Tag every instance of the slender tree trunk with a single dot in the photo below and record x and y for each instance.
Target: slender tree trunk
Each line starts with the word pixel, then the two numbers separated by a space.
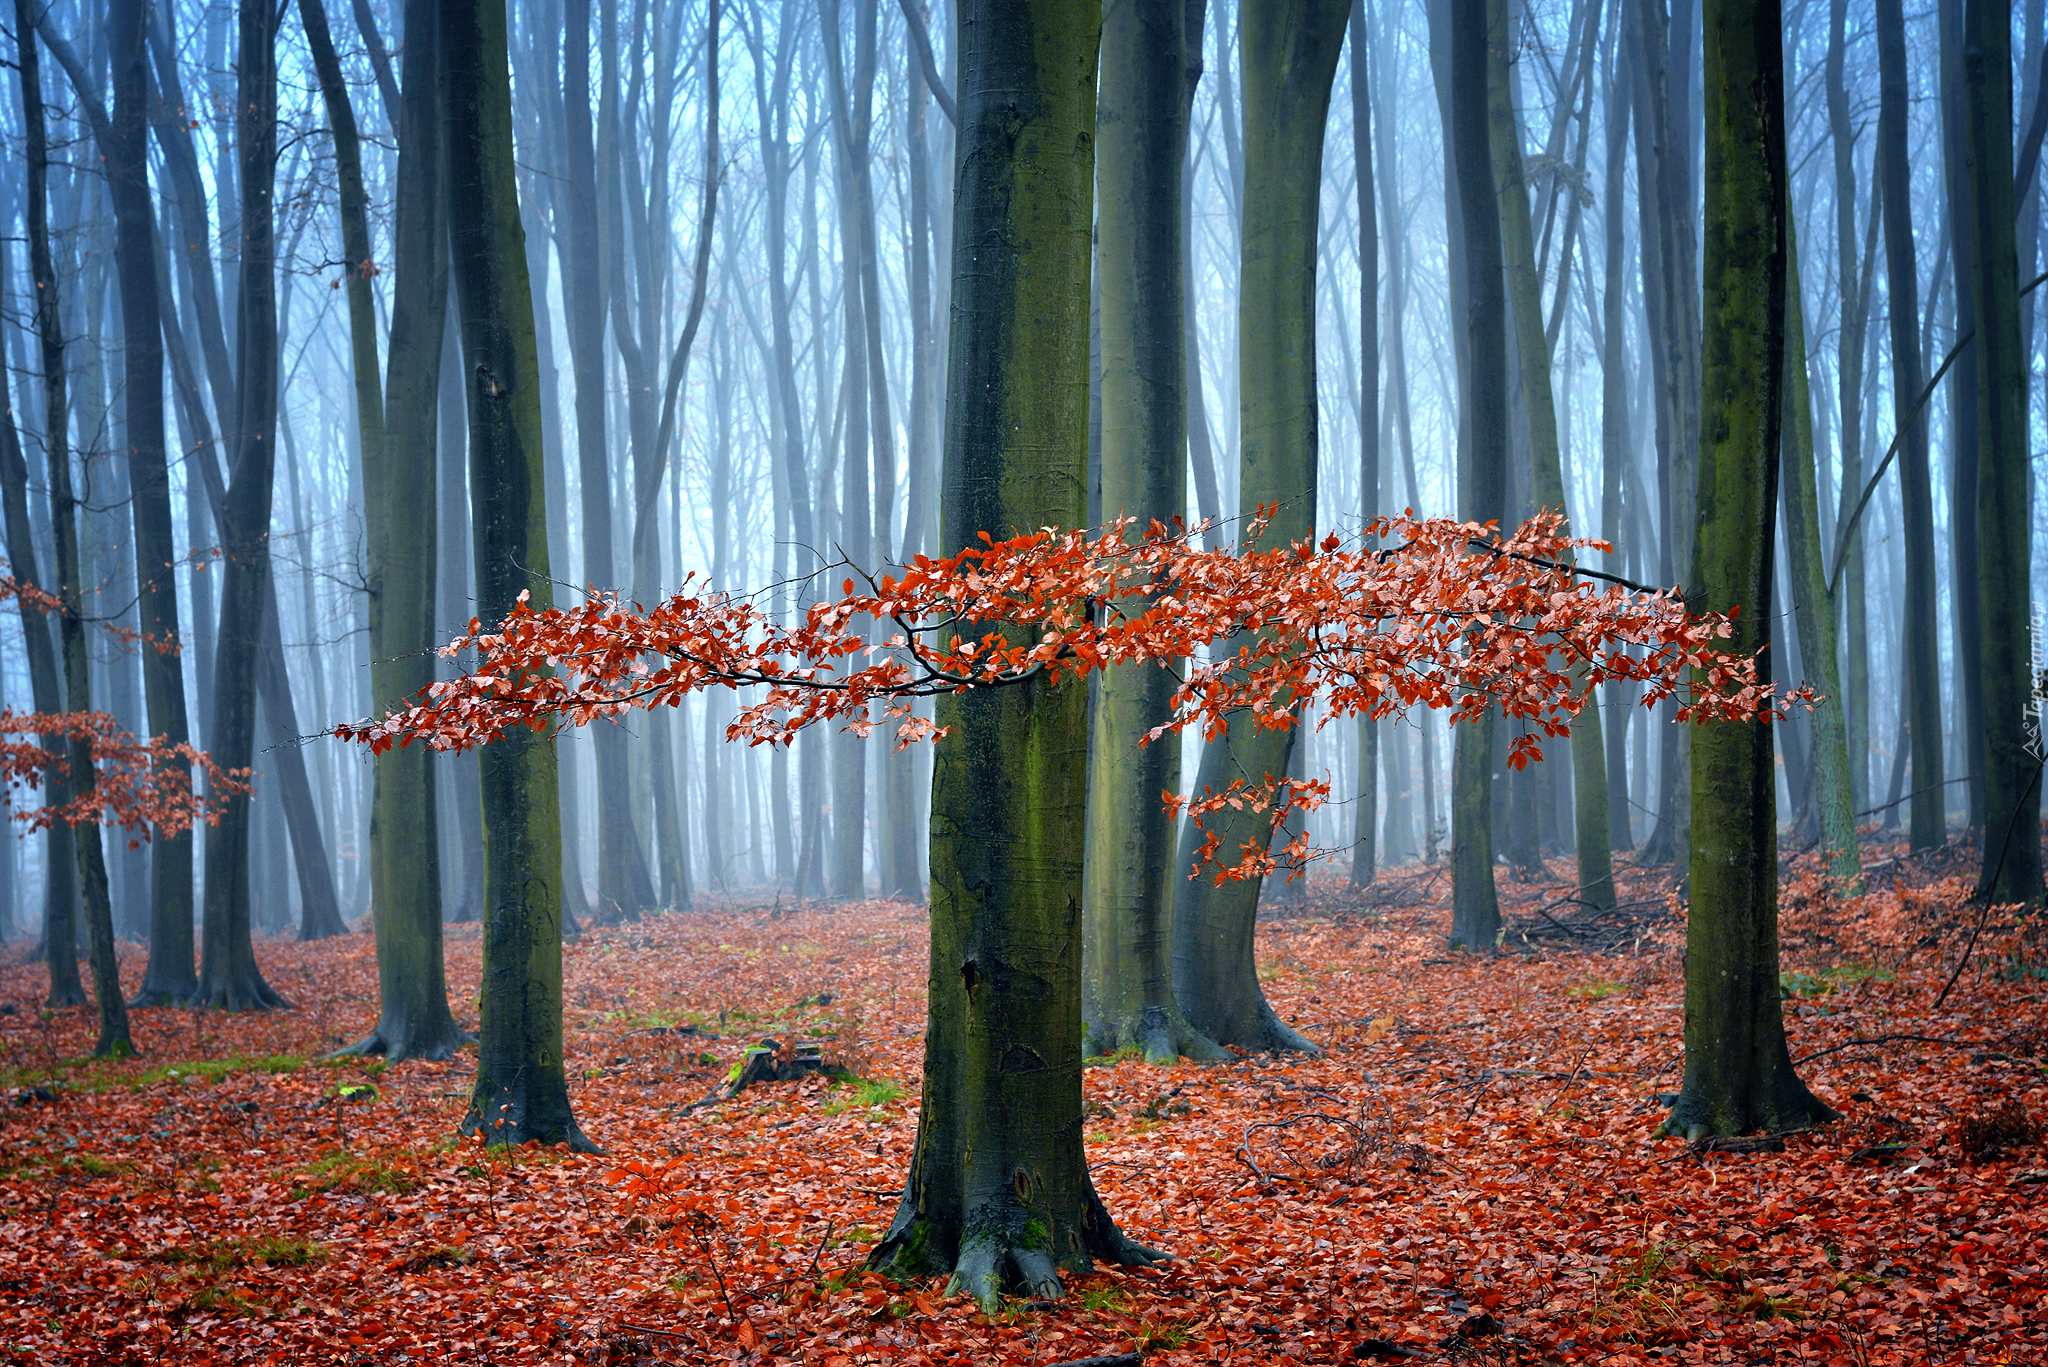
pixel 1614 425
pixel 1532 348
pixel 1834 805
pixel 405 860
pixel 624 887
pixel 522 1089
pixel 1968 721
pixel 228 977
pixel 1289 58
pixel 2012 845
pixel 1923 684
pixel 1853 285
pixel 1738 1071
pixel 1366 792
pixel 60 925
pixel 163 675
pixel 998 1192
pixel 1141 125
pixel 1483 446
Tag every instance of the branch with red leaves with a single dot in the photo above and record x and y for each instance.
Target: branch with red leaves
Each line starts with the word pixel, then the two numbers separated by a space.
pixel 137 784
pixel 1430 612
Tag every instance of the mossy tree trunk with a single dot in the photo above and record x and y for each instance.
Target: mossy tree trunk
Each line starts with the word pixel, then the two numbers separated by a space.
pixel 998 1191
pixel 1141 124
pixel 1289 56
pixel 1926 824
pixel 522 1090
pixel 1834 803
pixel 2012 749
pixel 1483 447
pixel 405 855
pixel 60 920
pixel 1738 1071
pixel 228 977
pixel 170 976
pixel 1532 352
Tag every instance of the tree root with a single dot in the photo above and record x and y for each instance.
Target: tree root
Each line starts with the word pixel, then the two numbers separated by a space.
pixel 398 1046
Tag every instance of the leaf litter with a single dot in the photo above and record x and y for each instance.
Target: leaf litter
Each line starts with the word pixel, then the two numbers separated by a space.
pixel 1466 1174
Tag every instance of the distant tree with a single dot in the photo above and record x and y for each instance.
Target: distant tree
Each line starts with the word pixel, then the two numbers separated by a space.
pixel 1288 53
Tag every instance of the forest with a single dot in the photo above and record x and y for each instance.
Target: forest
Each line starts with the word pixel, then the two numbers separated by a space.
pixel 1043 681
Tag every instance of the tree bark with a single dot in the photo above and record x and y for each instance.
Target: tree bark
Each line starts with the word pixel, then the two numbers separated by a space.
pixel 1289 56
pixel 1834 805
pixel 624 887
pixel 163 674
pixel 228 976
pixel 1614 415
pixel 1738 1071
pixel 2012 750
pixel 1483 446
pixel 522 1089
pixel 1141 123
pixel 405 858
pixel 998 1192
pixel 1366 792
pixel 1532 350
pixel 1927 827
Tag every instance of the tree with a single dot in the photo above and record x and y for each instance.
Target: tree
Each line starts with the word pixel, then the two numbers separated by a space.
pixel 1738 1071
pixel 1927 825
pixel 1482 446
pixel 624 887
pixel 228 976
pixel 170 977
pixel 522 1092
pixel 1532 353
pixel 1141 122
pixel 1289 56
pixel 1365 852
pixel 405 872
pixel 2012 848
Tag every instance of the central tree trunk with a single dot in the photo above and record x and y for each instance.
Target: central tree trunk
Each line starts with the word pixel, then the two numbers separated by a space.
pixel 1738 1072
pixel 998 1192
pixel 1289 55
pixel 522 1090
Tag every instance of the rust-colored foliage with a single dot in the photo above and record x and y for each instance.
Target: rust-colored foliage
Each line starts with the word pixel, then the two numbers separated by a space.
pixel 1416 612
pixel 1467 1175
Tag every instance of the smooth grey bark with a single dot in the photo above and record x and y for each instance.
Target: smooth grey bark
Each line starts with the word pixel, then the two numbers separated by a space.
pixel 1366 791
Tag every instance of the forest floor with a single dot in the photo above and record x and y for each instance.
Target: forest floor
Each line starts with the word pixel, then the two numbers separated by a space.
pixel 1467 1173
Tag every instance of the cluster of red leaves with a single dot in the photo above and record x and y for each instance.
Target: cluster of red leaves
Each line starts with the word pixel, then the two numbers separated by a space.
pixel 137 785
pixel 1475 1140
pixel 1416 612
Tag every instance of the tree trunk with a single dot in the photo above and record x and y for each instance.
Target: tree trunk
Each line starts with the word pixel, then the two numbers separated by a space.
pixel 1834 805
pixel 1927 825
pixel 1366 792
pixel 228 977
pixel 1289 57
pixel 998 1192
pixel 1483 447
pixel 522 1091
pixel 1614 424
pixel 2012 749
pixel 163 675
pixel 1532 350
pixel 1854 287
pixel 405 859
pixel 624 888
pixel 1127 907
pixel 1738 1071
pixel 1964 615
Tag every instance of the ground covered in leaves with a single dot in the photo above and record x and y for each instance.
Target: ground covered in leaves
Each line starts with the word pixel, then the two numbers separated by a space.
pixel 1467 1173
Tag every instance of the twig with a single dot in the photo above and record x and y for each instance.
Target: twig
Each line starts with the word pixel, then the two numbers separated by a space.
pixel 630 1327
pixel 1885 1039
